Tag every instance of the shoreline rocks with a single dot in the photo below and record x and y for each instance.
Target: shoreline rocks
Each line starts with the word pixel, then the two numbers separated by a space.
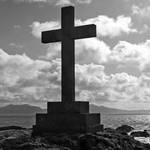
pixel 110 139
pixel 125 129
pixel 140 134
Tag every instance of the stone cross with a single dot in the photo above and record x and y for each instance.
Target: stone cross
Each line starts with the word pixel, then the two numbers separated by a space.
pixel 67 36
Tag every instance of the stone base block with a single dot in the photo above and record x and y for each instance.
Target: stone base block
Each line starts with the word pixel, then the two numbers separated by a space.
pixel 72 107
pixel 67 123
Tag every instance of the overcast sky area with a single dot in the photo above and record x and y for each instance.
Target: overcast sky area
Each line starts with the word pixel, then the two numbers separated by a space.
pixel 112 69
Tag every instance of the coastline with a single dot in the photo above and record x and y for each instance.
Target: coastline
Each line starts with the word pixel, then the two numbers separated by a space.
pixel 17 138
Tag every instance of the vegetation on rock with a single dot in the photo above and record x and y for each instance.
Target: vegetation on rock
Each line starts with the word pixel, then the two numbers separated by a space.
pixel 110 139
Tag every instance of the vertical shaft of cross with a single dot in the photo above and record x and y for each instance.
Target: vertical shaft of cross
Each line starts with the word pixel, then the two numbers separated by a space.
pixel 67 35
pixel 68 56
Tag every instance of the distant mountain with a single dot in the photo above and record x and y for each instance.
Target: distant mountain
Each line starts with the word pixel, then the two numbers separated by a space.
pixel 32 110
pixel 20 110
pixel 106 110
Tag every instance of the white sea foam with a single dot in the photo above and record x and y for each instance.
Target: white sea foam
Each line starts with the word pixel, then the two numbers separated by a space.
pixel 143 139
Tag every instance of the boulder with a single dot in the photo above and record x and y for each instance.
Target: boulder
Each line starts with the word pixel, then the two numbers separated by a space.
pixel 125 129
pixel 140 134
pixel 9 143
pixel 109 130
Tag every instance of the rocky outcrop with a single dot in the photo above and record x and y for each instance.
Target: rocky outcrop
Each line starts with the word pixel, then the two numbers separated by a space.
pixel 111 139
pixel 125 129
pixel 140 134
pixel 11 128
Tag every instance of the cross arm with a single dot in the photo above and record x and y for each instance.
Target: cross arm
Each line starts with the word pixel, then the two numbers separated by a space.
pixel 51 36
pixel 86 31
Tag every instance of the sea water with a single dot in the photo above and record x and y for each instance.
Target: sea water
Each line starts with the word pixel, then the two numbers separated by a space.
pixel 17 120
pixel 139 122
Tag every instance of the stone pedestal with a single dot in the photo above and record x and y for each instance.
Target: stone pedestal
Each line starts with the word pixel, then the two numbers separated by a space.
pixel 70 117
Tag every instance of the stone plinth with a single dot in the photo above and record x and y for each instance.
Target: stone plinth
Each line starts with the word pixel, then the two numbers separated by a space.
pixel 71 117
pixel 71 107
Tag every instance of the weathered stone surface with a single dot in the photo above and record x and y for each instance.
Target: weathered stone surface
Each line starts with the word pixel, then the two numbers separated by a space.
pixel 125 128
pixel 71 122
pixel 71 107
pixel 110 130
pixel 22 140
pixel 140 134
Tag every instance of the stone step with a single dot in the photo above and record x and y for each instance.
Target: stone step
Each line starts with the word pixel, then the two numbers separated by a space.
pixel 68 122
pixel 69 107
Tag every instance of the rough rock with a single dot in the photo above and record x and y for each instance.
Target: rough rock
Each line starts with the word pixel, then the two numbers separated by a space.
pixel 110 139
pixel 110 130
pixel 125 128
pixel 140 134
pixel 11 127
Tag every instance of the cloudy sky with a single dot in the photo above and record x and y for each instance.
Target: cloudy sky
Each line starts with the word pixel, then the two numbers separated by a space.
pixel 111 70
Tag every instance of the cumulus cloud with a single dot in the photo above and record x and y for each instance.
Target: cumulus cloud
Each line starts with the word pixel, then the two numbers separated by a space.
pixel 97 87
pixel 142 12
pixel 91 50
pixel 144 29
pixel 124 56
pixel 86 51
pixel 24 80
pixel 38 27
pixel 64 2
pixel 134 54
pixel 90 77
pixel 94 85
pixel 56 2
pixel 100 69
pixel 117 88
pixel 111 27
pixel 71 2
pixel 128 63
pixel 84 1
